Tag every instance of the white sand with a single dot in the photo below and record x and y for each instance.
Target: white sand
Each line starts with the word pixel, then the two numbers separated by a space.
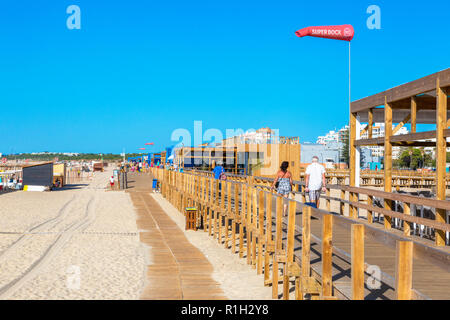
pixel 237 279
pixel 88 230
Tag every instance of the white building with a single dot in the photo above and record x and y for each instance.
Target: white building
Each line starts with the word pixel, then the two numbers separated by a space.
pixel 377 132
pixel 333 136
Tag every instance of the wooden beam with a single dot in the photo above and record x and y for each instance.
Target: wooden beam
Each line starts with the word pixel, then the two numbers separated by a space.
pixel 404 91
pixel 369 142
pixel 387 158
pixel 401 124
pixel 404 270
pixel 413 114
pixel 370 123
pixel 413 136
pixel 441 157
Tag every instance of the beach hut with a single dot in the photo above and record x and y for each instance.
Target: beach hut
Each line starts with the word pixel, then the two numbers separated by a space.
pixel 38 177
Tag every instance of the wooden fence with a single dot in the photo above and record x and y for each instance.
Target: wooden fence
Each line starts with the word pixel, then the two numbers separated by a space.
pixel 248 219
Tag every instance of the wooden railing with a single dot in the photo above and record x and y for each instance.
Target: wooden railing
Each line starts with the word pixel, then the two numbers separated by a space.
pixel 369 178
pixel 408 221
pixel 241 210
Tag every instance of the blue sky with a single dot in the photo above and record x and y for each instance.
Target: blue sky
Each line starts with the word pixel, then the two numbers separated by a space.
pixel 137 70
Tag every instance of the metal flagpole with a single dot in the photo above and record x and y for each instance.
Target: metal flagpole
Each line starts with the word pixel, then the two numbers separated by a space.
pixel 349 75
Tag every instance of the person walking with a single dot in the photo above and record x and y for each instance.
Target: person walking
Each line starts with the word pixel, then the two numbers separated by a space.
pixel 315 180
pixel 111 181
pixel 283 183
pixel 218 171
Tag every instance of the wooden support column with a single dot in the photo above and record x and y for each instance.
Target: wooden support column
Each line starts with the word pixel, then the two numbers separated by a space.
pixel 413 114
pixel 387 159
pixel 441 156
pixel 404 270
pixel 327 254
pixel 353 164
pixel 357 272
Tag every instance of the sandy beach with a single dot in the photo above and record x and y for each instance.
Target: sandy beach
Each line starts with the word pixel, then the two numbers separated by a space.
pixel 77 243
pixel 82 242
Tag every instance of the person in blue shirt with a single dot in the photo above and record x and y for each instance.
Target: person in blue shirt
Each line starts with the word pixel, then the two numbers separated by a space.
pixel 218 170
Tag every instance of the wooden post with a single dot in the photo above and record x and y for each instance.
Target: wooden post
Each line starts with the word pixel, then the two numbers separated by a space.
pixel 259 261
pixel 352 138
pixel 289 248
pixel 342 204
pixel 254 225
pixel 211 206
pixel 327 255
pixel 227 216
pixel 236 217
pixel 404 269
pixel 441 156
pixel 278 246
pixel 248 226
pixel 370 125
pixel 357 261
pixel 413 114
pixel 406 224
pixel 369 212
pixel 269 239
pixel 242 222
pixel 206 205
pixel 306 241
pixel 387 159
pixel 221 210
pixel 328 200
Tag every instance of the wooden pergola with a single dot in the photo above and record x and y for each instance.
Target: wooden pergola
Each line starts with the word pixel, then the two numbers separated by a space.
pixel 423 101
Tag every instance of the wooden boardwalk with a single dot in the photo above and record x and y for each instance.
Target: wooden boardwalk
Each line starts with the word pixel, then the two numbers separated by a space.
pixel 430 264
pixel 178 270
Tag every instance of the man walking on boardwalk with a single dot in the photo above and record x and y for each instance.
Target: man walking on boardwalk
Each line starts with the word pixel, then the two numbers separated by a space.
pixel 315 180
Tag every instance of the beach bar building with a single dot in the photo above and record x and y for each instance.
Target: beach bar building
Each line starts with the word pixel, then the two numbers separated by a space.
pixel 423 101
pixel 40 175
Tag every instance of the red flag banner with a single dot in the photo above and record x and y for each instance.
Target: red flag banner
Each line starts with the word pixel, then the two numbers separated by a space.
pixel 141 148
pixel 344 32
pixel 149 144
